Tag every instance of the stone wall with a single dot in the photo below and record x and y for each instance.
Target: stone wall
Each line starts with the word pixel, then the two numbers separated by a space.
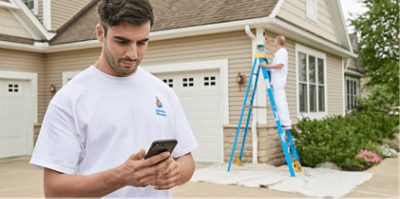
pixel 269 147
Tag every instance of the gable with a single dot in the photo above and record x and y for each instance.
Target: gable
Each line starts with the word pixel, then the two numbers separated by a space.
pixel 328 24
pixel 9 25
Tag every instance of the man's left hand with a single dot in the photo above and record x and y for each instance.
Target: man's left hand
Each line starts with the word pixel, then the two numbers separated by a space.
pixel 169 177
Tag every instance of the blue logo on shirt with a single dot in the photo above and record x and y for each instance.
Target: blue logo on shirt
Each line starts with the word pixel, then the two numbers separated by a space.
pixel 160 111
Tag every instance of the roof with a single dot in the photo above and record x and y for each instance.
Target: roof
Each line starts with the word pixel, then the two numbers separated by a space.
pixel 170 14
pixel 16 39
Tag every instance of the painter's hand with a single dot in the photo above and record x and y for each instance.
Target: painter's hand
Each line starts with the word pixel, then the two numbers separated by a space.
pixel 263 64
pixel 169 177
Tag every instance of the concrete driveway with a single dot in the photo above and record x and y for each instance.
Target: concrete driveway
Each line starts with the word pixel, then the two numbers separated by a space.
pixel 19 179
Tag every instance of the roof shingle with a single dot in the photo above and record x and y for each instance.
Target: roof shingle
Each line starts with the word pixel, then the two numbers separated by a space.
pixel 170 14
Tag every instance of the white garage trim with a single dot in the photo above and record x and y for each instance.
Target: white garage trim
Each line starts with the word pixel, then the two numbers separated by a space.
pixel 32 77
pixel 221 65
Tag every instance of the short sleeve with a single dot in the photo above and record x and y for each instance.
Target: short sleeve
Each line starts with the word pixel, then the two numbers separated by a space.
pixel 280 58
pixel 181 128
pixel 58 146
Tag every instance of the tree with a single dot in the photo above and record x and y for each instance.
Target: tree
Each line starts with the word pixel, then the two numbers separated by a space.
pixel 378 31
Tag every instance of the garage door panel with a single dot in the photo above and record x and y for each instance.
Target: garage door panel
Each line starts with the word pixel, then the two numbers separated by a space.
pixel 15 113
pixel 200 95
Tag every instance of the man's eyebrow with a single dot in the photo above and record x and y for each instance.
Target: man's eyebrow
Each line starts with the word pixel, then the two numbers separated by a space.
pixel 126 39
pixel 121 38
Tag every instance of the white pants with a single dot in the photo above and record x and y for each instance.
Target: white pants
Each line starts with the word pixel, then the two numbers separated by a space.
pixel 282 106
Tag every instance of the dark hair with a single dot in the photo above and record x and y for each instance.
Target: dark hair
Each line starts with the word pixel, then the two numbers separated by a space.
pixel 115 12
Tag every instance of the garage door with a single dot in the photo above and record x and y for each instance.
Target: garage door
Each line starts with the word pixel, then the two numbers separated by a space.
pixel 200 95
pixel 15 117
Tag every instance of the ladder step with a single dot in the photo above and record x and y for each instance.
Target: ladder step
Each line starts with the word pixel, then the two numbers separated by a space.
pixel 255 107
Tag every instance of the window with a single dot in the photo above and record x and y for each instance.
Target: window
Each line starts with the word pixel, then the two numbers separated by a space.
pixel 311 83
pixel 312 9
pixel 209 81
pixel 32 5
pixel 13 88
pixel 352 93
pixel 188 82
pixel 169 82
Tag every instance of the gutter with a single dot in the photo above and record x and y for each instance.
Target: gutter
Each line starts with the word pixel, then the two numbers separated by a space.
pixel 254 135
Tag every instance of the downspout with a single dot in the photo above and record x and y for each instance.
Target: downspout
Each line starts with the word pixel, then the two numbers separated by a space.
pixel 255 115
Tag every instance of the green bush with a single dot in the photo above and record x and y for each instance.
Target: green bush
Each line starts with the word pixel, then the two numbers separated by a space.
pixel 339 139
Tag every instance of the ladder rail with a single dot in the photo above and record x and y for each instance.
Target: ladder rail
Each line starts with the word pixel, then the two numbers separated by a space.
pixel 241 115
pixel 281 133
pixel 249 114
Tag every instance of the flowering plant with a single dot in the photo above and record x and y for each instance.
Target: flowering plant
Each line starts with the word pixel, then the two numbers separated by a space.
pixel 369 156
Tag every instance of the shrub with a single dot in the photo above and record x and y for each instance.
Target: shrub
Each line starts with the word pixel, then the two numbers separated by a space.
pixel 340 139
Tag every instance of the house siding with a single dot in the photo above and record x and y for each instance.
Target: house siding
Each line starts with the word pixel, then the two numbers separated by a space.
pixel 9 25
pixel 19 61
pixel 63 10
pixel 334 85
pixel 40 10
pixel 294 11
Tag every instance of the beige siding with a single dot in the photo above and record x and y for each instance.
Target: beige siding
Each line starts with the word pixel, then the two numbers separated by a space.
pixel 40 10
pixel 352 63
pixel 27 62
pixel 234 46
pixel 334 85
pixel 294 11
pixel 9 25
pixel 63 10
pixel 57 63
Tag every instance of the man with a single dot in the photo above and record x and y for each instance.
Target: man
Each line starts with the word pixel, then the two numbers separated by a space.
pixel 279 70
pixel 110 111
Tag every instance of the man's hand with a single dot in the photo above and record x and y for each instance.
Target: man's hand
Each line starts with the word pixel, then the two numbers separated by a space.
pixel 139 172
pixel 170 177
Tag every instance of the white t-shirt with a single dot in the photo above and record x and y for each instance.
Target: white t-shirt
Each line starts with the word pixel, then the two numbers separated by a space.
pixel 96 121
pixel 278 76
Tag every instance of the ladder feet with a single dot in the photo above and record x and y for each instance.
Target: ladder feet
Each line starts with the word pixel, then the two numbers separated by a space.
pixel 297 166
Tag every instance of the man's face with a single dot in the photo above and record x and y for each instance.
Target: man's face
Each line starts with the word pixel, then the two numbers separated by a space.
pixel 124 47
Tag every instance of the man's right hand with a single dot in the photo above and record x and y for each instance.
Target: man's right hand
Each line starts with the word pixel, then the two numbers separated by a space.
pixel 140 172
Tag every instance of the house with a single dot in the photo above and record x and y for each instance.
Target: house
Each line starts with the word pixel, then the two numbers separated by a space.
pixel 200 49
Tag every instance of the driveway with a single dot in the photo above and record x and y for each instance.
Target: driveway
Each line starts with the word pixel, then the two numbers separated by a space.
pixel 19 179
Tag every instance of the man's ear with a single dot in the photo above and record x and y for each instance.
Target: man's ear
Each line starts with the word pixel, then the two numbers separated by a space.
pixel 100 32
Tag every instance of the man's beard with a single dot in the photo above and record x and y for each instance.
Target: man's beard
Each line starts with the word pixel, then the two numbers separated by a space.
pixel 114 64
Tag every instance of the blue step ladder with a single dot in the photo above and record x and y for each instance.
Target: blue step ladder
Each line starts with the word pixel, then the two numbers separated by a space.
pixel 285 136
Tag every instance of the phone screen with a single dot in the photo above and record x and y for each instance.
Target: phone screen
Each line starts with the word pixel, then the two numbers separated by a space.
pixel 160 146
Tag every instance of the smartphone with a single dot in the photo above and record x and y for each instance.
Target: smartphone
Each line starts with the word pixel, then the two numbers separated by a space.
pixel 160 146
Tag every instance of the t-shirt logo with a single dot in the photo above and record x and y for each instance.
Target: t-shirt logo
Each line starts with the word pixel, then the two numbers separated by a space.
pixel 160 111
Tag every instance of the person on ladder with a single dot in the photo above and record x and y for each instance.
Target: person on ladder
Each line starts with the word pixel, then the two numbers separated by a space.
pixel 279 70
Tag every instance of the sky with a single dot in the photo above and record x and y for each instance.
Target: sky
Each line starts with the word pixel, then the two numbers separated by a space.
pixel 351 7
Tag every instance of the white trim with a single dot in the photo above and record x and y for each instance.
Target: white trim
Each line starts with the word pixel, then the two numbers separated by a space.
pixel 31 18
pixel 344 87
pixel 276 9
pixel 34 34
pixel 221 65
pixel 36 7
pixel 68 75
pixel 317 54
pixel 47 14
pixel 32 77
pixel 339 8
pixel 10 5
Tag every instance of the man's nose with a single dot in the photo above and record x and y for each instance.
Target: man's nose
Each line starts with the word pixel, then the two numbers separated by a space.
pixel 132 52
